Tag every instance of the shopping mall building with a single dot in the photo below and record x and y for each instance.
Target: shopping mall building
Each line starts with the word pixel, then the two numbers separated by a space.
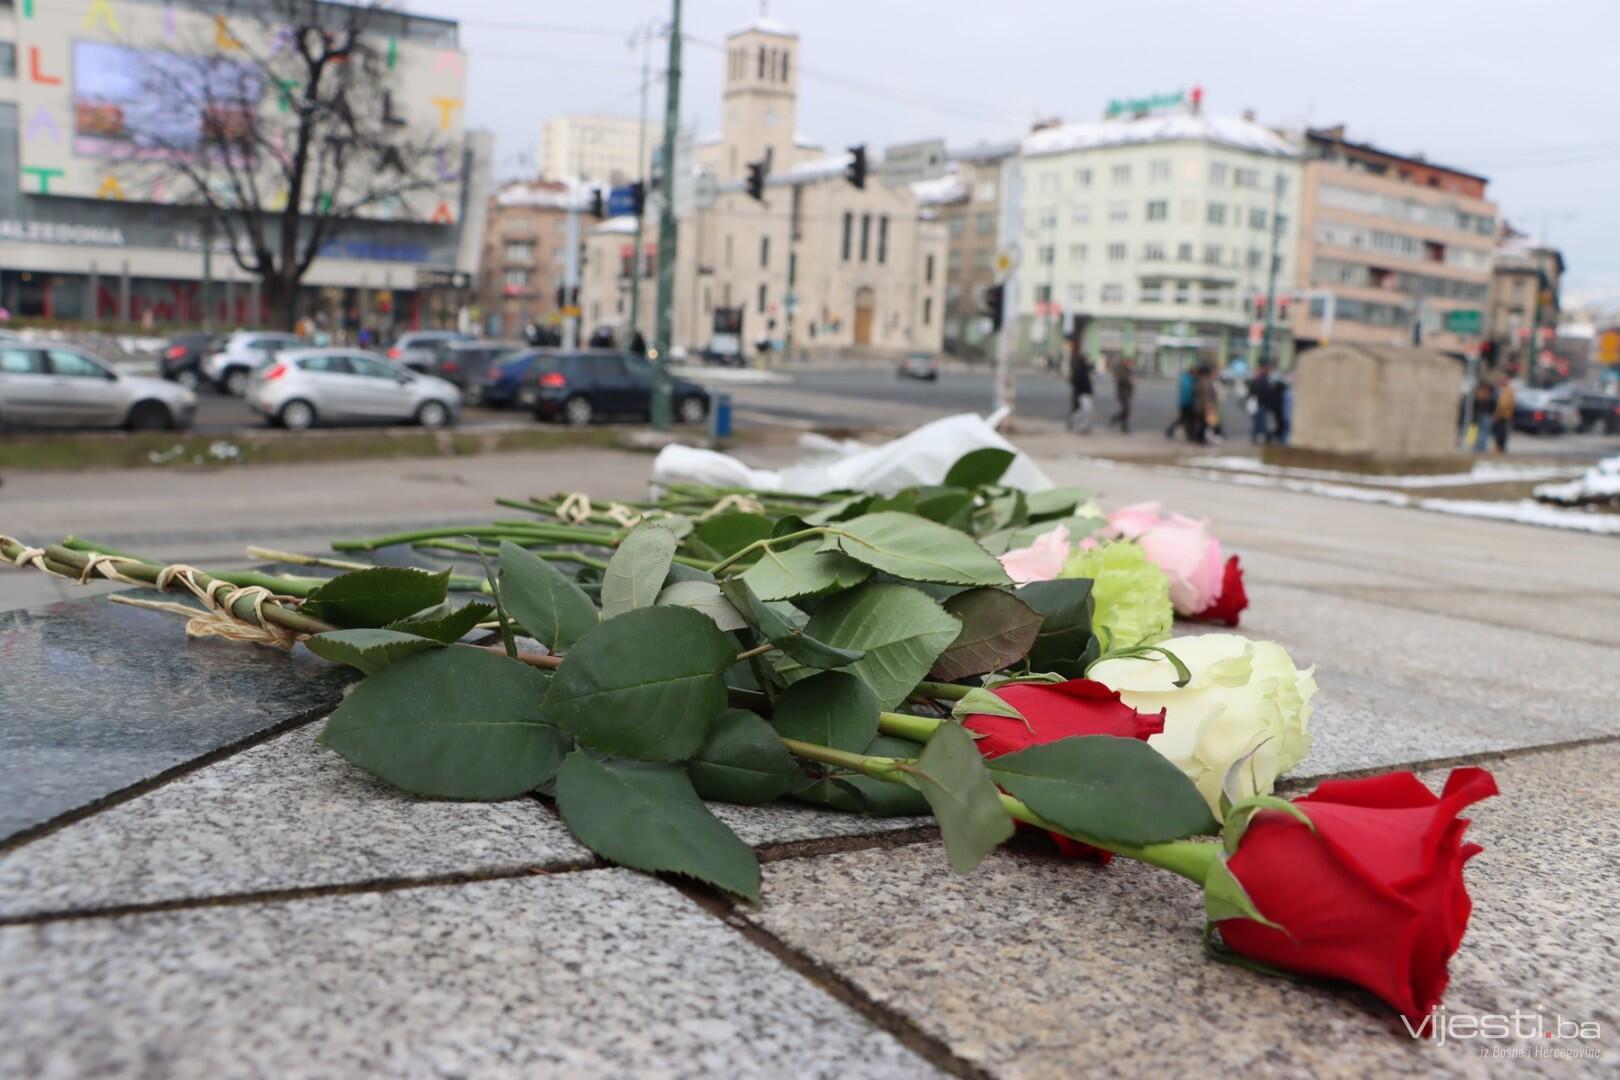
pixel 80 240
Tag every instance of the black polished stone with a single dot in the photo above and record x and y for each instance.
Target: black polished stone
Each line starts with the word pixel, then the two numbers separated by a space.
pixel 96 697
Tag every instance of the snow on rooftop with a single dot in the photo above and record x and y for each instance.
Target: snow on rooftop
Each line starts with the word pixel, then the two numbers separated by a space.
pixel 819 169
pixel 807 141
pixel 764 24
pixel 624 223
pixel 541 194
pixel 1226 130
pixel 945 189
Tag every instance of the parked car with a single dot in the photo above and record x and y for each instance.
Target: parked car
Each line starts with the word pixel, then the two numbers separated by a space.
pixel 1544 412
pixel 1598 410
pixel 182 357
pixel 465 363
pixel 50 385
pixel 420 350
pixel 919 365
pixel 503 384
pixel 603 337
pixel 244 352
pixel 585 386
pixel 305 387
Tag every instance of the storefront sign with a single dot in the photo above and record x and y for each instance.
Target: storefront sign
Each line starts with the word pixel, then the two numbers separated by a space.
pixel 53 232
pixel 1151 103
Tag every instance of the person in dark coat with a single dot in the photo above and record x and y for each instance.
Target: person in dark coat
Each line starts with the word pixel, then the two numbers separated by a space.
pixel 1124 391
pixel 1206 408
pixel 1080 392
pixel 1185 385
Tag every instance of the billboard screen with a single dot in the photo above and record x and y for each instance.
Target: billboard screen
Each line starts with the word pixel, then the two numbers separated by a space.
pixel 148 103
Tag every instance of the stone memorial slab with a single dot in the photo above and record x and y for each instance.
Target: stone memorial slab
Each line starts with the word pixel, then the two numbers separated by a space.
pixel 594 973
pixel 1035 967
pixel 96 697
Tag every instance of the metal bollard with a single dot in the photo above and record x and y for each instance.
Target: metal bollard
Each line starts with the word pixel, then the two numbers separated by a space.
pixel 720 417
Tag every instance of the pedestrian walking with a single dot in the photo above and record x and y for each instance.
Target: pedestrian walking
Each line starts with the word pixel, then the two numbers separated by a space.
pixel 1206 418
pixel 638 343
pixel 1282 409
pixel 1124 391
pixel 1186 386
pixel 1258 405
pixel 1502 415
pixel 1484 410
pixel 1080 392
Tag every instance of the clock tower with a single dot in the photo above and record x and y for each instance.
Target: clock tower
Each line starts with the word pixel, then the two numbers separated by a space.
pixel 761 96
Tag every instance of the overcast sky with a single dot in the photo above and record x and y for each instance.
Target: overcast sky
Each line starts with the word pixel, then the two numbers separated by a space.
pixel 1528 95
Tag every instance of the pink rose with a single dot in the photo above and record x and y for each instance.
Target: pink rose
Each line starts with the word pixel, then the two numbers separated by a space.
pixel 1042 561
pixel 1180 546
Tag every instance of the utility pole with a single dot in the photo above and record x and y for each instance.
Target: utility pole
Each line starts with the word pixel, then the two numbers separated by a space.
pixel 641 163
pixel 208 273
pixel 1271 275
pixel 666 227
pixel 571 269
pixel 1011 223
pixel 790 302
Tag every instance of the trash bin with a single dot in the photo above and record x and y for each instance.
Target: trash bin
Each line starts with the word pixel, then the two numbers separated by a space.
pixel 720 417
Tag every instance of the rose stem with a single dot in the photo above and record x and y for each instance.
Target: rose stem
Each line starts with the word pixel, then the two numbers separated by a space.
pixel 537 532
pixel 942 691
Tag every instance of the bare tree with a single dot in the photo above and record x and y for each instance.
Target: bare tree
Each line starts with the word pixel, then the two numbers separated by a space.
pixel 283 139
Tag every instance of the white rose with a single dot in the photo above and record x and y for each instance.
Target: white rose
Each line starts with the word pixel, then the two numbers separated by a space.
pixel 1245 698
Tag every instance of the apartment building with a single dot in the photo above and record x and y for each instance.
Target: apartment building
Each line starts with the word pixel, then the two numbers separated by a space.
pixel 1157 230
pixel 525 255
pixel 604 149
pixel 1395 246
pixel 1524 294
pixel 968 202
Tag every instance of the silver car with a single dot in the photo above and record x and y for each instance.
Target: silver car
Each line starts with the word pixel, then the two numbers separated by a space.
pixel 244 352
pixel 304 387
pixel 51 385
pixel 421 350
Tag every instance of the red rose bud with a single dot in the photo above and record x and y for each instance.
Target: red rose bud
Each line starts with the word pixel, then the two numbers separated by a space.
pixel 1056 711
pixel 1374 895
pixel 1226 607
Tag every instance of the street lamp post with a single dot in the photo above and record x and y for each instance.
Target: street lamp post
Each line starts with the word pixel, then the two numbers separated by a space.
pixel 667 228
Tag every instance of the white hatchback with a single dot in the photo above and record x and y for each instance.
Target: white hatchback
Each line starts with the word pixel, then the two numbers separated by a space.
pixel 304 387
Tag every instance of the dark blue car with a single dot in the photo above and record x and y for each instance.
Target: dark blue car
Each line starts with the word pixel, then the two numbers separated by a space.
pixel 504 381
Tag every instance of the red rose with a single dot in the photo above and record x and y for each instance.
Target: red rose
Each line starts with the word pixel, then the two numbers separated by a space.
pixel 1232 599
pixel 1059 711
pixel 1374 896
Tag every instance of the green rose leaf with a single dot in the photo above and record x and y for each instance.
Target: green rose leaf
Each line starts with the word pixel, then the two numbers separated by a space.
pixel 998 630
pixel 912 547
pixel 453 723
pixel 728 533
pixel 1054 503
pixel 900 630
pixel 636 572
pixel 743 761
pixel 445 624
pixel 649 817
pixel 979 701
pixel 1066 630
pixel 551 608
pixel 644 685
pixel 376 596
pixel 703 596
pixel 832 709
pixel 839 510
pixel 952 777
pixel 942 504
pixel 802 571
pixel 368 650
pixel 976 468
pixel 1114 789
pixel 857 794
pixel 776 628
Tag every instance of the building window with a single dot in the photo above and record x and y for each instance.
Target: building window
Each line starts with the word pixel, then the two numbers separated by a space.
pixel 1159 170
pixel 1048 219
pixel 1281 222
pixel 1043 294
pixel 764 252
pixel 1158 210
pixel 953 261
pixel 1281 184
pixel 1184 252
pixel 883 238
pixel 728 251
pixel 1246 178
pixel 1121 174
pixel 1078 252
pixel 1082 178
pixel 866 235
pixel 784 65
pixel 958 226
pixel 1153 252
pixel 981 260
pixel 985 223
pixel 1152 292
pixel 1045 254
pixel 519 252
pixel 928 270
pixel 1257 217
pixel 1217 173
pixel 1119 211
pixel 985 191
pixel 1212 254
pixel 1255 258
pixel 762 298
pixel 1080 215
pixel 761 76
pixel 517 279
pixel 1113 293
pixel 8 57
pixel 1116 253
pixel 849 232
pixel 1183 292
pixel 928 311
pixel 1216 213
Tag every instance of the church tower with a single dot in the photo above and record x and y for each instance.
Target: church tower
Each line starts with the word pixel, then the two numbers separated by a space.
pixel 761 96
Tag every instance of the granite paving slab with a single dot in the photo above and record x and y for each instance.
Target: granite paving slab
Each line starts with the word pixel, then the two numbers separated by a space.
pixel 1400 686
pixel 96 697
pixel 594 973
pixel 1036 967
pixel 287 814
pixel 785 822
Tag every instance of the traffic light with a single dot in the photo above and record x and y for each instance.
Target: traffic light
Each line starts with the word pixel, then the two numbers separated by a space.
pixel 994 297
pixel 573 296
pixel 855 171
pixel 756 180
pixel 562 297
pixel 598 210
pixel 638 196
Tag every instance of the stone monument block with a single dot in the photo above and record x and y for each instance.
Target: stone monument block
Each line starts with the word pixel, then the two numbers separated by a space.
pixel 1374 408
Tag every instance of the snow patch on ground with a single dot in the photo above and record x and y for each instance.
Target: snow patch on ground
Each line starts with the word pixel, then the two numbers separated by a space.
pixel 1600 483
pixel 1484 472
